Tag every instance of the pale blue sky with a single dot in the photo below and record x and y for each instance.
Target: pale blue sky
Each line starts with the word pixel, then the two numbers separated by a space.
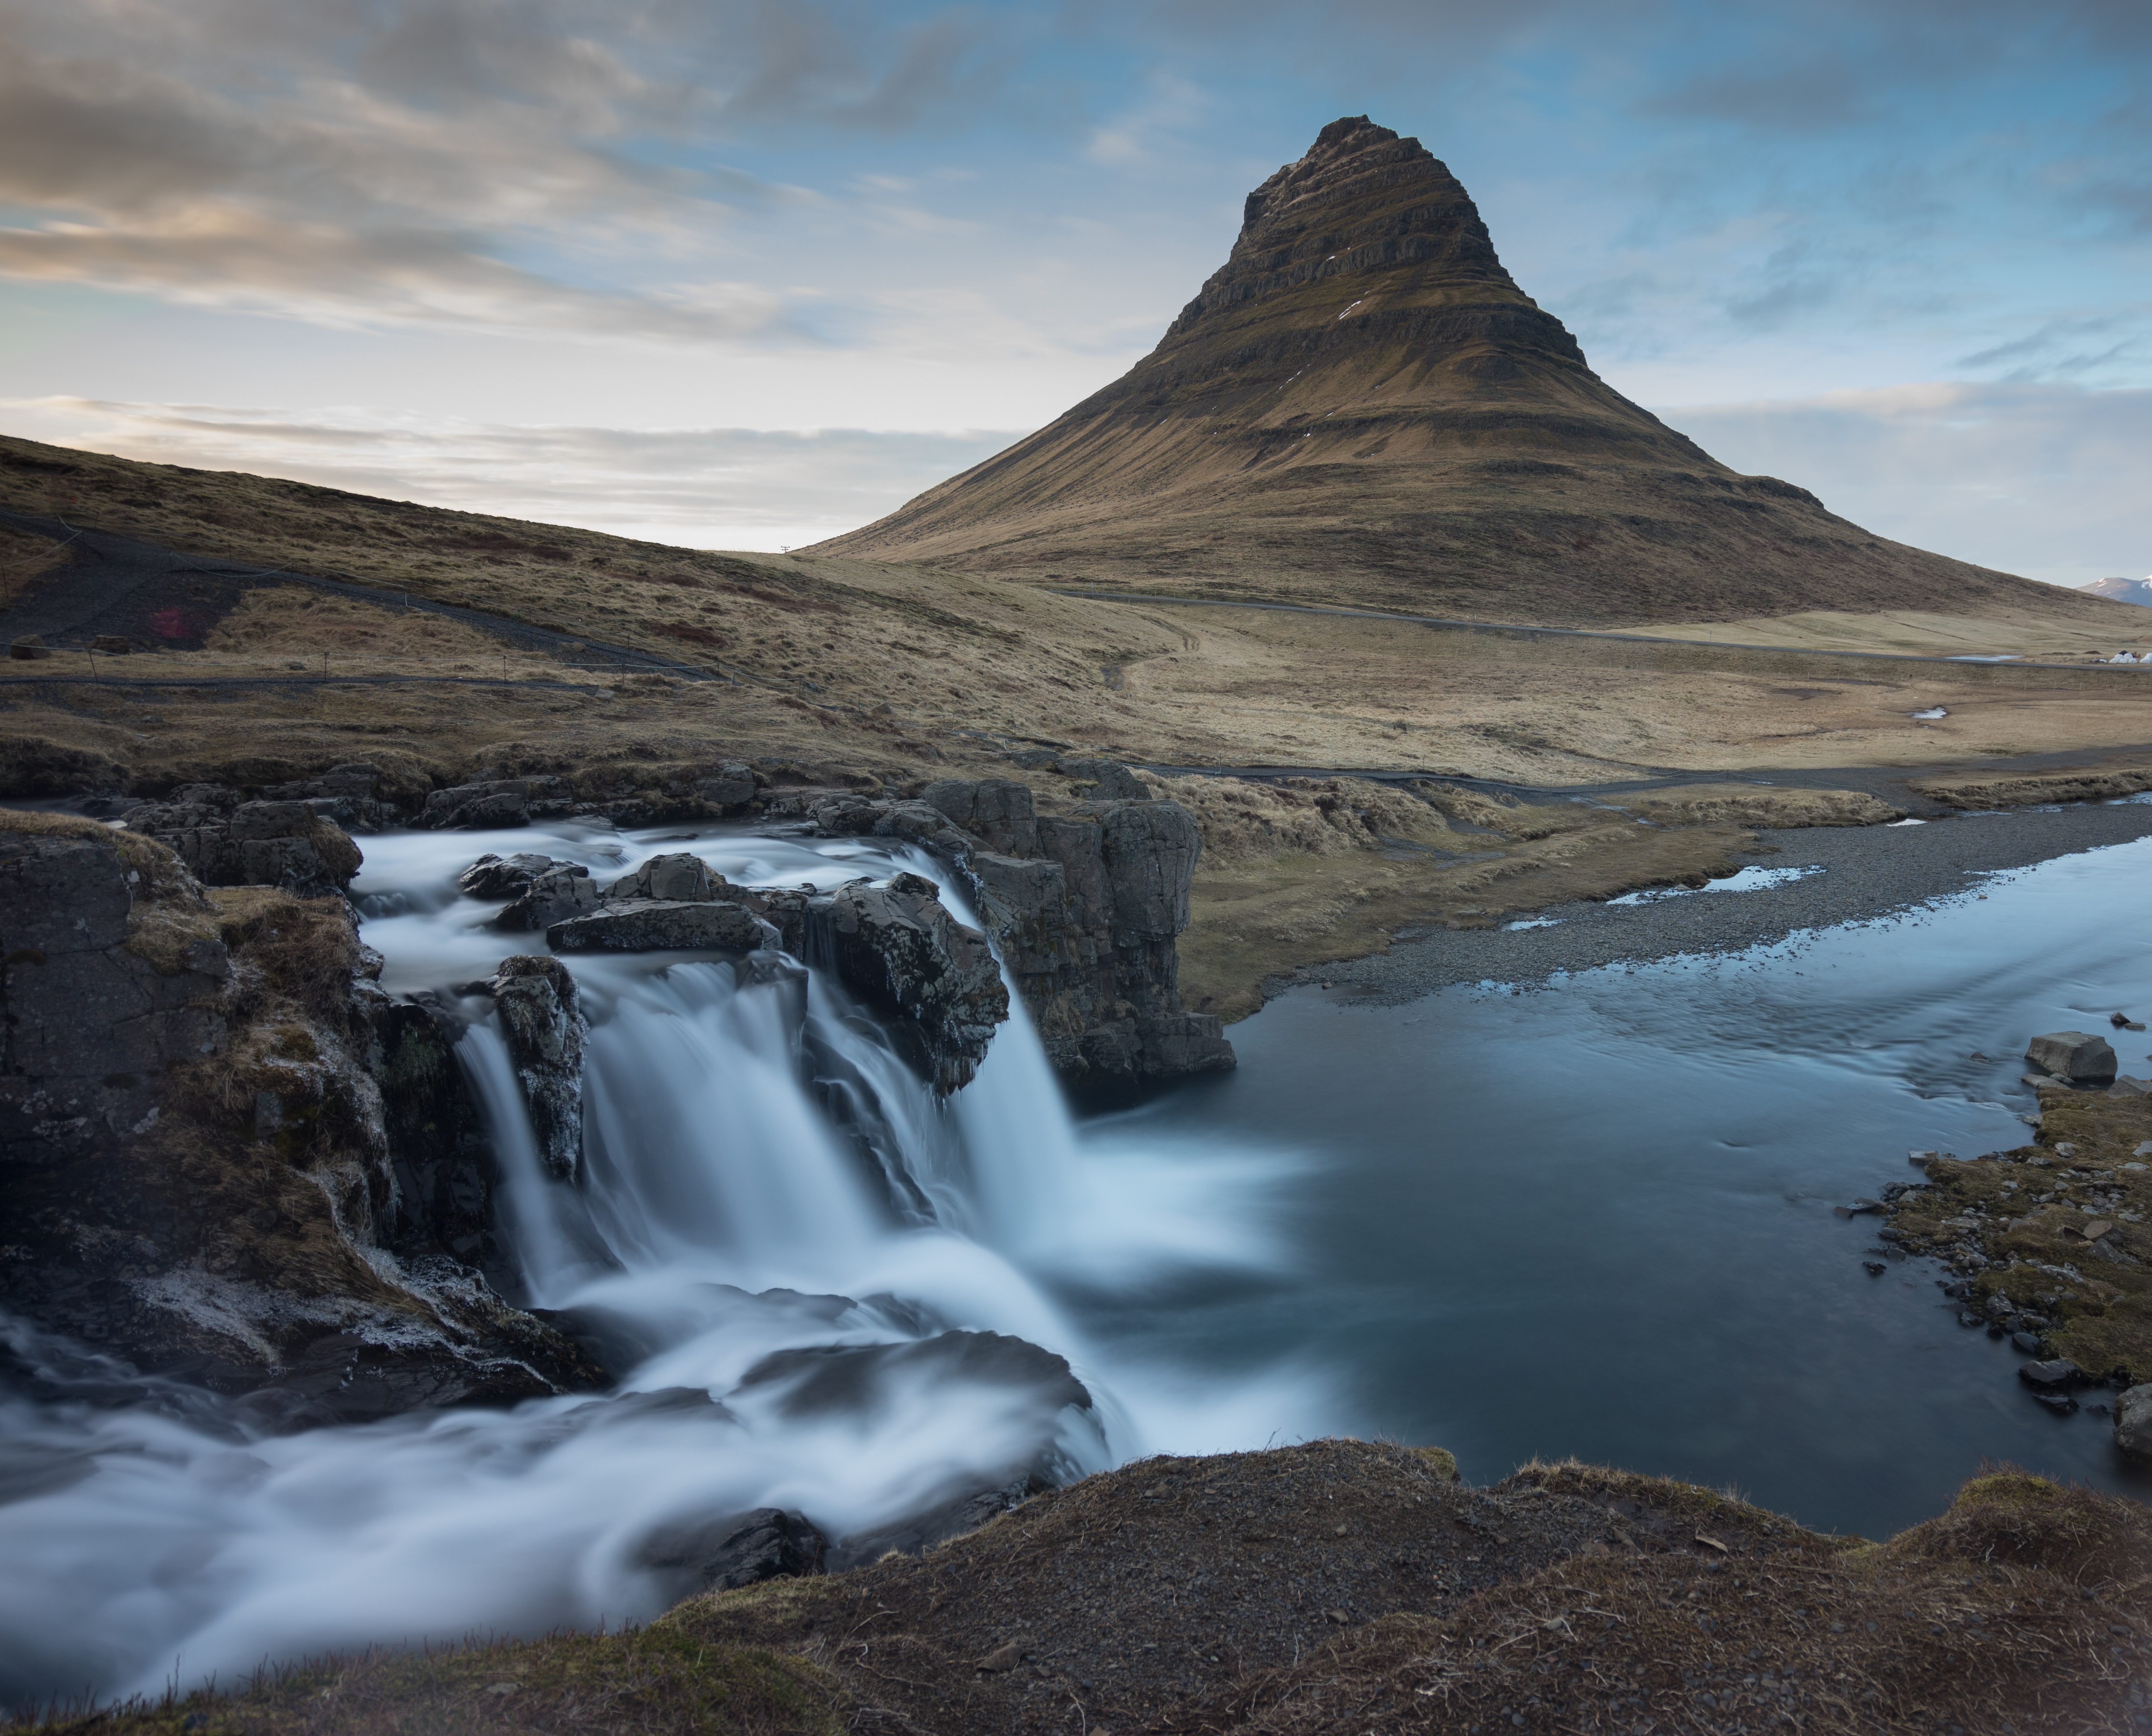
pixel 743 275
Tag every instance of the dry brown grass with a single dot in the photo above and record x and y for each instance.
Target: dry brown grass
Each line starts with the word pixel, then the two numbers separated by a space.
pixel 649 1680
pixel 2024 1608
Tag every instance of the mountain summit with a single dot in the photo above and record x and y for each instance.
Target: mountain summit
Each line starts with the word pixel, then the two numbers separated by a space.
pixel 1360 406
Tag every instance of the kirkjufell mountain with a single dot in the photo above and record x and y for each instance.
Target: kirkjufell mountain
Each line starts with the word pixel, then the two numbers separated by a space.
pixel 1360 406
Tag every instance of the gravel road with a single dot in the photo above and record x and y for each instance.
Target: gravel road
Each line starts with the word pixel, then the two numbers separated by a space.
pixel 1868 871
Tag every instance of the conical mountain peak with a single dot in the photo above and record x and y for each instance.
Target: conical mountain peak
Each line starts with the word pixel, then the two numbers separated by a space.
pixel 1361 405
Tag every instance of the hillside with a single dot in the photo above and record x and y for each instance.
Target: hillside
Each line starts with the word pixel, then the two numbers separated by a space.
pixel 1361 407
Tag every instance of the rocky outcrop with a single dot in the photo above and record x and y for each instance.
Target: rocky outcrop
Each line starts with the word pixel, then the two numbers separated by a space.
pixel 293 844
pixel 544 1029
pixel 199 1172
pixel 1086 907
pixel 897 946
pixel 496 803
pixel 114 973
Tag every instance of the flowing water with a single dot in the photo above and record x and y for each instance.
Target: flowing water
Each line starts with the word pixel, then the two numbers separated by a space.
pixel 1592 1218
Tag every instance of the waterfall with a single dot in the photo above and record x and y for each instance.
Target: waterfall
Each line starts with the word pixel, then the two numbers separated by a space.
pixel 789 1250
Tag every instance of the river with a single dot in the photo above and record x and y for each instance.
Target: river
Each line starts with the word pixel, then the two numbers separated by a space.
pixel 1588 1216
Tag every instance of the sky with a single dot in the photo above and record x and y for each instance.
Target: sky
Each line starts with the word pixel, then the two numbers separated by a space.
pixel 744 274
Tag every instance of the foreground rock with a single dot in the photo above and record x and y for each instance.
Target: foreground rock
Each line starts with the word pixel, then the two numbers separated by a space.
pixel 1085 906
pixel 198 1171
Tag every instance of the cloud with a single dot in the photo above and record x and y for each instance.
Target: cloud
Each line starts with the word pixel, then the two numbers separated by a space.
pixel 451 162
pixel 2040 478
pixel 697 487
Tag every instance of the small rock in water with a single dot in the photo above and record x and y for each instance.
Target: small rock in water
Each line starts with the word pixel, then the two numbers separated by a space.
pixel 1967 1317
pixel 2057 1375
pixel 1921 1159
pixel 2059 1402
pixel 1873 1268
pixel 2027 1342
pixel 2124 1021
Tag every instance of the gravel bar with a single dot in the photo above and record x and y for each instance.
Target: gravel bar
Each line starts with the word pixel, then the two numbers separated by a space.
pixel 1868 871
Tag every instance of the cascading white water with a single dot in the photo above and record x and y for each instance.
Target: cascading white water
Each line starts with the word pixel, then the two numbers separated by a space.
pixel 762 1224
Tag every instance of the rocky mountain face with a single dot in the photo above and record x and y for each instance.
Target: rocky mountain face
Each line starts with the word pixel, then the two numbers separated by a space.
pixel 2122 590
pixel 1360 406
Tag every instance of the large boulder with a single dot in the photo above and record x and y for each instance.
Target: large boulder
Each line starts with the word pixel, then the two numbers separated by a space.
pixel 899 948
pixel 645 925
pixel 2077 1056
pixel 2133 1421
pixel 544 1029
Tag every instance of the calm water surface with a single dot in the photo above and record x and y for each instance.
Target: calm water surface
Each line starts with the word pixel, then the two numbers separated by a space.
pixel 1594 1218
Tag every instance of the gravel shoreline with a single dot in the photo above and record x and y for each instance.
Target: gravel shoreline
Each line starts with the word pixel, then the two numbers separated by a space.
pixel 1868 871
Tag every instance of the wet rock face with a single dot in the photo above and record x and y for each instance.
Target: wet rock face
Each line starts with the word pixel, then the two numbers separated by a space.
pixel 266 1181
pixel 544 1029
pixel 1085 907
pixel 293 844
pixel 899 948
pixel 89 1026
pixel 742 1549
pixel 647 925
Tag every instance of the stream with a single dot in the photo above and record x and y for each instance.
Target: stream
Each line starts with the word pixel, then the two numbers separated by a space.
pixel 1591 1216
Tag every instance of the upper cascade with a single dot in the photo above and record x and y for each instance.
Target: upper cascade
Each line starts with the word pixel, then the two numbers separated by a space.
pixel 1360 406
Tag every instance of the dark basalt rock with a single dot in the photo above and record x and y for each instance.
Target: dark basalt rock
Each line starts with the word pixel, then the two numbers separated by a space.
pixel 676 877
pixel 89 1024
pixel 496 876
pixel 742 1549
pixel 199 1175
pixel 294 844
pixel 645 925
pixel 544 1027
pixel 1085 908
pixel 902 952
pixel 496 803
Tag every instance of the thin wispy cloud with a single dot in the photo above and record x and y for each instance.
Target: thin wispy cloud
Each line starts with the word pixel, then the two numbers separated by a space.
pixel 699 487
